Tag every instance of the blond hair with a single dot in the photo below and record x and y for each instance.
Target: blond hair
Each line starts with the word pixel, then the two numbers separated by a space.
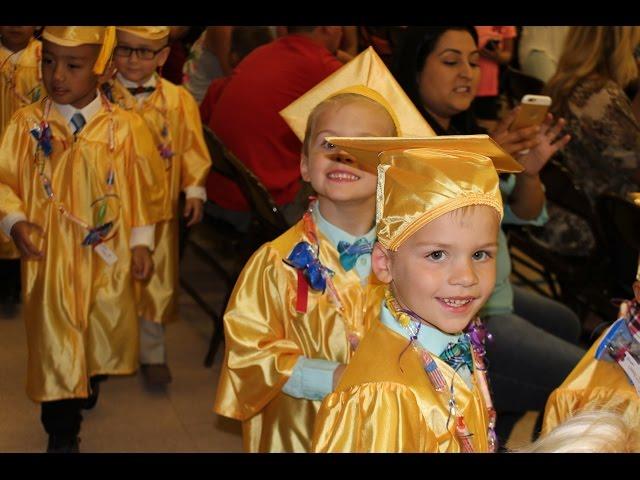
pixel 590 431
pixel 602 53
pixel 340 99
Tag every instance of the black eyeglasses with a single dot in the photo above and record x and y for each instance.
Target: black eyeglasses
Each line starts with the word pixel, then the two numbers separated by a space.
pixel 142 53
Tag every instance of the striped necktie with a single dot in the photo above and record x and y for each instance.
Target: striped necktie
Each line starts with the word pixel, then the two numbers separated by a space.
pixel 78 122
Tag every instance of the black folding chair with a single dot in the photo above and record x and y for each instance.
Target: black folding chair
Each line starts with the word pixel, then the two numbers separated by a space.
pixel 267 222
pixel 623 235
pixel 582 279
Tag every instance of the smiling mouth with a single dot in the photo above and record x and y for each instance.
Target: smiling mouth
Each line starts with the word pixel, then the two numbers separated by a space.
pixel 462 90
pixel 342 176
pixel 456 303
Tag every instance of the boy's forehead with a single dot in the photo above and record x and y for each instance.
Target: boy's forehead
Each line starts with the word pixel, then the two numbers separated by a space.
pixel 134 40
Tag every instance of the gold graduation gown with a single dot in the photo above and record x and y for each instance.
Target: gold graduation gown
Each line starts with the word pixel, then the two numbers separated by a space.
pixel 264 337
pixel 189 166
pixel 593 384
pixel 79 312
pixel 383 404
pixel 20 85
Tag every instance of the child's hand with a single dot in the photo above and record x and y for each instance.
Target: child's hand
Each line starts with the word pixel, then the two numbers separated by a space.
pixel 337 375
pixel 193 209
pixel 141 263
pixel 20 234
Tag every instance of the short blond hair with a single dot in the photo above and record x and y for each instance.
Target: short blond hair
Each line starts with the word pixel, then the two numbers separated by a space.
pixel 340 99
pixel 590 431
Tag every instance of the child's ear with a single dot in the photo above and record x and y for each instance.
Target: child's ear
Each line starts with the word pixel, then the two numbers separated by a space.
pixel 381 263
pixel 163 55
pixel 304 168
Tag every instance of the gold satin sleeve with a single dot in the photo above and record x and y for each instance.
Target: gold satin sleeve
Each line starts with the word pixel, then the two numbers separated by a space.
pixel 13 147
pixel 146 176
pixel 196 161
pixel 259 359
pixel 382 417
pixel 593 384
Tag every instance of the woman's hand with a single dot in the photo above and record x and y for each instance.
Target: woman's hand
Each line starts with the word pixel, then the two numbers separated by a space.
pixel 548 144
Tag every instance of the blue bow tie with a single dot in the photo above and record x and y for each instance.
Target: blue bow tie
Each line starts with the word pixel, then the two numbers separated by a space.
pixel 302 257
pixel 349 252
pixel 458 354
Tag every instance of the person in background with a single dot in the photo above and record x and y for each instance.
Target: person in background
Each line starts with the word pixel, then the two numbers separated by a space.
pixel 496 50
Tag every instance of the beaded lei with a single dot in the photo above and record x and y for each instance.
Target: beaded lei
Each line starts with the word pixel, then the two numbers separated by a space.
pixel 164 147
pixel 411 322
pixel 42 133
pixel 10 78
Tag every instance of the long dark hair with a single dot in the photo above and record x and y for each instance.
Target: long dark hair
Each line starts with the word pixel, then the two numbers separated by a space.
pixel 416 45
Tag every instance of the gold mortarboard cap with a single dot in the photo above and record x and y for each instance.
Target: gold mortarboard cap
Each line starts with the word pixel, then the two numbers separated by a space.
pixel 366 75
pixel 421 179
pixel 76 36
pixel 149 33
pixel 370 151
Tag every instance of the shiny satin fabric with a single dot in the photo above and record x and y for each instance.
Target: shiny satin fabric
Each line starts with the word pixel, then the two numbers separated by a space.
pixel 25 75
pixel 421 179
pixel 188 167
pixel 386 403
pixel 79 312
pixel 593 384
pixel 68 36
pixel 366 75
pixel 27 84
pixel 419 185
pixel 264 336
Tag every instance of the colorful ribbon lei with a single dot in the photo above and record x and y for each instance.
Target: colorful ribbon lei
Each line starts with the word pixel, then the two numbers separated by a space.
pixel 476 335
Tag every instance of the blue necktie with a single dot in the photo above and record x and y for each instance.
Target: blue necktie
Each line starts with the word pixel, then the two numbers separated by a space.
pixel 349 253
pixel 78 122
pixel 458 354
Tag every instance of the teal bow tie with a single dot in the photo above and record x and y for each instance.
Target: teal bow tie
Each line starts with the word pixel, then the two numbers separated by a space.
pixel 349 253
pixel 458 354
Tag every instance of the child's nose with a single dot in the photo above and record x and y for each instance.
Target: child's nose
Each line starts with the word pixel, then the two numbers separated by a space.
pixel 343 157
pixel 463 274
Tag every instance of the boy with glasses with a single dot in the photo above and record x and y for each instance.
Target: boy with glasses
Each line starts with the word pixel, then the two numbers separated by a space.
pixel 172 116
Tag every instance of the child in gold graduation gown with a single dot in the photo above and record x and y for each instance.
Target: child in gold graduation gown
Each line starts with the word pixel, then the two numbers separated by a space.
pixel 80 190
pixel 20 85
pixel 289 330
pixel 173 118
pixel 596 384
pixel 417 382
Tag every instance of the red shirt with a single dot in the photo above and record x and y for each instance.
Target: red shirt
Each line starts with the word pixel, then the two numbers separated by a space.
pixel 245 116
pixel 216 87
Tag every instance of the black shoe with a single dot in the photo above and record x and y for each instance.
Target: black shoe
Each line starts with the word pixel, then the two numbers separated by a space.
pixel 63 444
pixel 156 373
pixel 92 399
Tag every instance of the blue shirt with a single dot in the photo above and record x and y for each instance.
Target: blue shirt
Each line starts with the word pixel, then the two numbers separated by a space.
pixel 501 300
pixel 429 338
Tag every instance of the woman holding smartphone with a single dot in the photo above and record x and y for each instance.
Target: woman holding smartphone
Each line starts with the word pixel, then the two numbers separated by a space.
pixel 533 347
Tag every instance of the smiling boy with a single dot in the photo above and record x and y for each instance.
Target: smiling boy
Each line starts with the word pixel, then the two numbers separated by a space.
pixel 417 382
pixel 172 116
